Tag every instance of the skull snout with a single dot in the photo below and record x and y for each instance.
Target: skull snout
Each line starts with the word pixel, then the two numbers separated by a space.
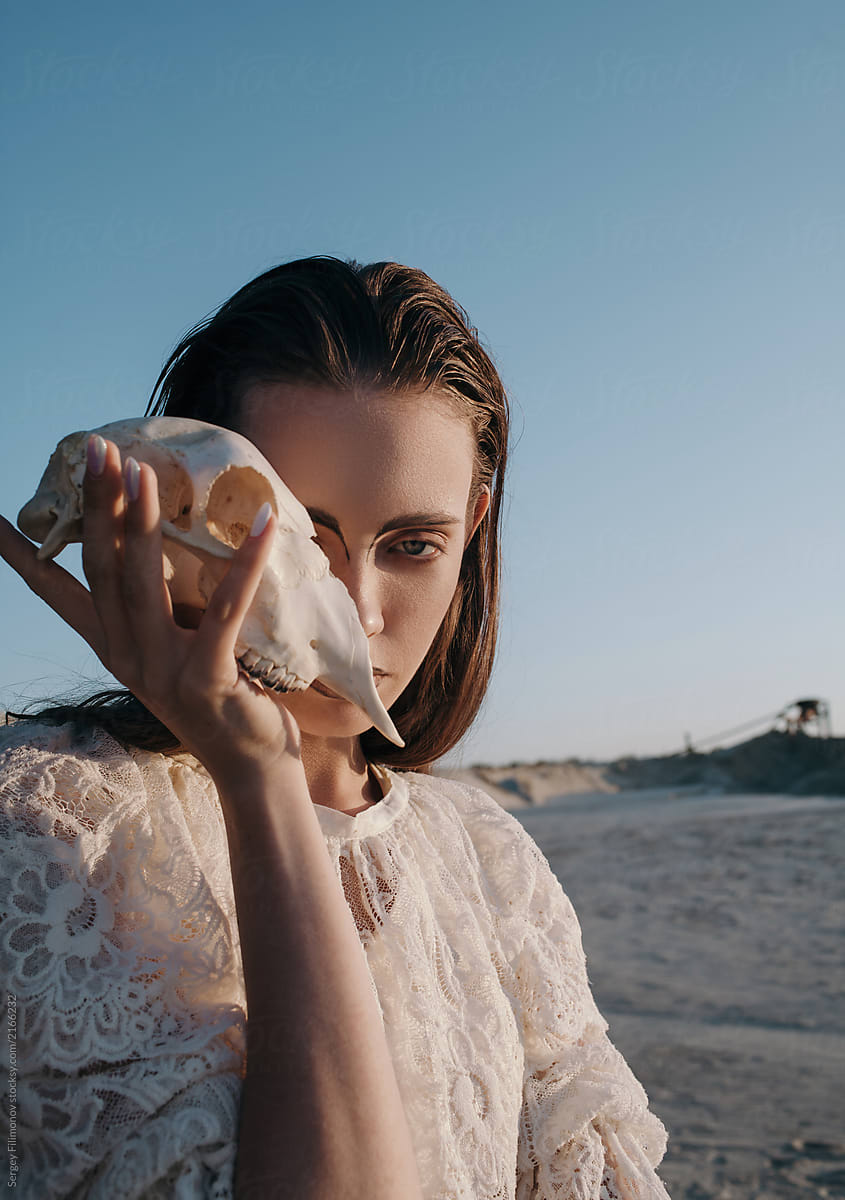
pixel 39 515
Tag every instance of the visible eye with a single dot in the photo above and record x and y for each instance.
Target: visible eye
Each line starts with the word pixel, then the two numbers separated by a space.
pixel 416 548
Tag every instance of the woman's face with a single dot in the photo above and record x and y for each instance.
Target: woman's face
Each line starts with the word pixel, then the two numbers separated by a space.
pixel 386 482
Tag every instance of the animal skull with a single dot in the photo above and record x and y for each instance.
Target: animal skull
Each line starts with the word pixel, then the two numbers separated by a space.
pixel 302 624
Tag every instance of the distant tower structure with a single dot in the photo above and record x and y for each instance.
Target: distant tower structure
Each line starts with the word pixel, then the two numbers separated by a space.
pixel 809 716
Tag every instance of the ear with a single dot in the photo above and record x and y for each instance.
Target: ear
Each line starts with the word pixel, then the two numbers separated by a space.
pixel 481 506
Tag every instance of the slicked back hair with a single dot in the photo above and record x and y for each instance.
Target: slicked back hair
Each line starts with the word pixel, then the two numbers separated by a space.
pixel 389 329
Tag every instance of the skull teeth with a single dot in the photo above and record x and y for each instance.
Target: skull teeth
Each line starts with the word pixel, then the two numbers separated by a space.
pixel 269 675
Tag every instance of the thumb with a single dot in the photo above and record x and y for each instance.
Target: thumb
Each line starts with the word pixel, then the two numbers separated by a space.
pixel 56 586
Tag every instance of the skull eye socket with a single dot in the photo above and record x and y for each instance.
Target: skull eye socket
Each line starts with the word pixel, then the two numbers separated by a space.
pixel 235 497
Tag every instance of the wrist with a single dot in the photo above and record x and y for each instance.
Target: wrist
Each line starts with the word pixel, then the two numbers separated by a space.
pixel 252 789
pixel 238 777
pixel 272 832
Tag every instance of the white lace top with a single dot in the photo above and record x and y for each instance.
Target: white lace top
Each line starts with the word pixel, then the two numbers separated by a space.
pixel 119 944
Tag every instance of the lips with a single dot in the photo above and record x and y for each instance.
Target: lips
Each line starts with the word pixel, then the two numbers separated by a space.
pixel 322 690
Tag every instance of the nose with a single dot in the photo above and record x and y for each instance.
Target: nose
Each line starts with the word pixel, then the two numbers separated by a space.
pixel 362 583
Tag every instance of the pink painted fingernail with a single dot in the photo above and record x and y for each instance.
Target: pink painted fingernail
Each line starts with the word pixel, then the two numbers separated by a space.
pixel 261 518
pixel 132 478
pixel 96 454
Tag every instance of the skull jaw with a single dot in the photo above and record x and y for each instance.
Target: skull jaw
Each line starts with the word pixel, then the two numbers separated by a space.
pixel 268 674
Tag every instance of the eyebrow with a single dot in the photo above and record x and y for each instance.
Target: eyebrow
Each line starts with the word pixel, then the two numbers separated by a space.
pixel 320 517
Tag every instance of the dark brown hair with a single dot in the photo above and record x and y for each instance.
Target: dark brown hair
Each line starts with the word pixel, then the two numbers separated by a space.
pixel 387 328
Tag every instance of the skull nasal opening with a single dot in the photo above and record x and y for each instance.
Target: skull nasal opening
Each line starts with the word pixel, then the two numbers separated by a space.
pixel 235 497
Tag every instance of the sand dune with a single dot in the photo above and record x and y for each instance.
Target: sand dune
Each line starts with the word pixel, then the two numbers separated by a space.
pixel 775 762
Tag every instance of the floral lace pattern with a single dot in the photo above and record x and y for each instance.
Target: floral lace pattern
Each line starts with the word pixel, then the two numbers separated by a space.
pixel 119 939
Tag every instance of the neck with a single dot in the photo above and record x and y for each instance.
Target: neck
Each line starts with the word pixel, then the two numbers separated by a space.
pixel 338 775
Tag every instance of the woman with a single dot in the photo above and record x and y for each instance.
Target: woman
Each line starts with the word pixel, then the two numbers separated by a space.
pixel 196 850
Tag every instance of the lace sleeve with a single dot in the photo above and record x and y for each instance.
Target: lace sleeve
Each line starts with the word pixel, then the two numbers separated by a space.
pixel 129 1040
pixel 585 1129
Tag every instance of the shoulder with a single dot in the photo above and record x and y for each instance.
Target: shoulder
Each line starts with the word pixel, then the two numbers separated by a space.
pixel 517 875
pixel 25 745
pixel 47 771
pixel 55 781
pixel 495 833
pixel 108 843
pixel 120 947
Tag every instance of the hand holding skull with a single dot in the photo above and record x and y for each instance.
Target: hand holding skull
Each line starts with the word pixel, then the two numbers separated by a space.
pixel 288 620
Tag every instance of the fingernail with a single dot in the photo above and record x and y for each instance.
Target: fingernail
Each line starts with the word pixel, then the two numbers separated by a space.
pixel 261 518
pixel 96 454
pixel 132 478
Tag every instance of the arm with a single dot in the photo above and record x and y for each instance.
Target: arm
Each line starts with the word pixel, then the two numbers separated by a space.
pixel 321 1113
pixel 584 1114
pixel 585 1129
pixel 124 972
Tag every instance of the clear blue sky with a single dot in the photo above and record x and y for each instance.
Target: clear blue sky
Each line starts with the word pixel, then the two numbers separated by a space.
pixel 641 207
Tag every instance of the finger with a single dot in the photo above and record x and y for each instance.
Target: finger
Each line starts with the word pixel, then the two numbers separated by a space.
pixel 57 587
pixel 214 645
pixel 102 548
pixel 147 600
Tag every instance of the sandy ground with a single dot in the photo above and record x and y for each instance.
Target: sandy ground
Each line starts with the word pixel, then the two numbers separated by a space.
pixel 714 927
